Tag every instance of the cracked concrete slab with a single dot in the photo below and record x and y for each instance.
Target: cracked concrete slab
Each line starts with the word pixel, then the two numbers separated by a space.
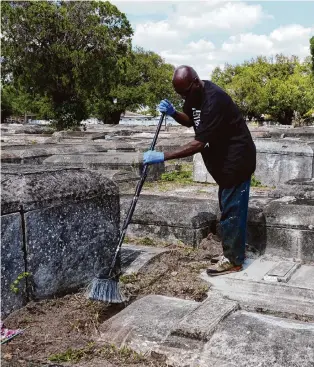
pixel 240 338
pixel 254 289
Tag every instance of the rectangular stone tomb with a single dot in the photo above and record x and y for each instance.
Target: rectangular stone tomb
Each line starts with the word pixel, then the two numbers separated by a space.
pixel 60 225
pixel 131 161
pixel 276 162
pixel 290 228
pixel 38 153
pixel 170 219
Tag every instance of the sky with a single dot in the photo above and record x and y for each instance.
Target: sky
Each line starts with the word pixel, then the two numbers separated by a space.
pixel 206 34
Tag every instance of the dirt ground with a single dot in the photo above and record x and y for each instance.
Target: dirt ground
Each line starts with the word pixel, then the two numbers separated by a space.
pixel 61 332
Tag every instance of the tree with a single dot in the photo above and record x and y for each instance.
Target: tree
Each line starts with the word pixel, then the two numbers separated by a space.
pixel 278 86
pixel 312 52
pixel 64 51
pixel 144 81
pixel 16 101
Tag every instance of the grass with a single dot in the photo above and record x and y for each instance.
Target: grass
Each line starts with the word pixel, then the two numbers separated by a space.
pixel 109 352
pixel 181 176
pixel 73 355
pixel 147 241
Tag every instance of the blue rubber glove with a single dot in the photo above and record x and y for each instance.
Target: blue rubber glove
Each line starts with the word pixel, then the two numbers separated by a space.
pixel 151 157
pixel 166 107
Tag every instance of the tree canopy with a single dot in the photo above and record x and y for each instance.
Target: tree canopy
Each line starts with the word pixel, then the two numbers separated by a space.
pixel 278 86
pixel 312 52
pixel 70 60
pixel 64 51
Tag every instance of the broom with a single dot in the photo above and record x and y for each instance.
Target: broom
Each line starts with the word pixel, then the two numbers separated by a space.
pixel 106 287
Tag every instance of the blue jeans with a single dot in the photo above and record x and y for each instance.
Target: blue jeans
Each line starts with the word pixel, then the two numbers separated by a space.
pixel 233 204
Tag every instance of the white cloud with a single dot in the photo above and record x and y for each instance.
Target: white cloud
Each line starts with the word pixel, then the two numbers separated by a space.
pixel 221 16
pixel 139 8
pixel 290 40
pixel 200 55
pixel 206 34
pixel 291 32
pixel 156 36
pixel 248 43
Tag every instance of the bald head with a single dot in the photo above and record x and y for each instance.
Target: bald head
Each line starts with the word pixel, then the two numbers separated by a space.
pixel 183 79
pixel 184 73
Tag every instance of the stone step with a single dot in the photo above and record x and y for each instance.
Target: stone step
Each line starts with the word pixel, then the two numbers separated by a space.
pixel 240 338
pixel 259 288
pixel 202 322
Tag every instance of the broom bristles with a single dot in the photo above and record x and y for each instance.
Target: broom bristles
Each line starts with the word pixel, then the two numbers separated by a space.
pixel 106 290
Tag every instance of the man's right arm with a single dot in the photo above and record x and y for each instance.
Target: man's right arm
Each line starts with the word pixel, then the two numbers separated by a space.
pixel 182 119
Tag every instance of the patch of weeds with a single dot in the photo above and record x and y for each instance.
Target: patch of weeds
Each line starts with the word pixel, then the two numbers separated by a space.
pixel 146 241
pixel 124 354
pixel 255 182
pixel 72 355
pixel 131 278
pixel 181 176
pixel 14 286
pixel 108 352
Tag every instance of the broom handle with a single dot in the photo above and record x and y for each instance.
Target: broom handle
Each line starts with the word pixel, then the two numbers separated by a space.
pixel 136 196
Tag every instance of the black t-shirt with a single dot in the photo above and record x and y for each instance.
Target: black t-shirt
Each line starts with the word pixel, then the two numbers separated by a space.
pixel 229 154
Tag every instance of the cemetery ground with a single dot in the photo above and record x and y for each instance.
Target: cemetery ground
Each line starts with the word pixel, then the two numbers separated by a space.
pixel 63 331
pixel 65 195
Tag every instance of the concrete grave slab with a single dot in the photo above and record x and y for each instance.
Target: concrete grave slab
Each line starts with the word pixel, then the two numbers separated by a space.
pixel 253 292
pixel 200 173
pixel 37 154
pixel 240 338
pixel 248 339
pixel 125 180
pixel 202 322
pixel 282 272
pixel 279 161
pixel 129 161
pixel 290 228
pixel 188 220
pixel 301 188
pixel 12 263
pixel 146 322
pixel 71 224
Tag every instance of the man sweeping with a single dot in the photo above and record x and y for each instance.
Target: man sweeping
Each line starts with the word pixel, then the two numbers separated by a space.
pixel 228 151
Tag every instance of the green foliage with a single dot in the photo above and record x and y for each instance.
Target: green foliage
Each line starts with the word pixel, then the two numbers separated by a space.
pixel 72 355
pixel 255 182
pixel 109 352
pixel 145 79
pixel 312 52
pixel 277 86
pixel 15 285
pixel 179 176
pixel 16 101
pixel 64 51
